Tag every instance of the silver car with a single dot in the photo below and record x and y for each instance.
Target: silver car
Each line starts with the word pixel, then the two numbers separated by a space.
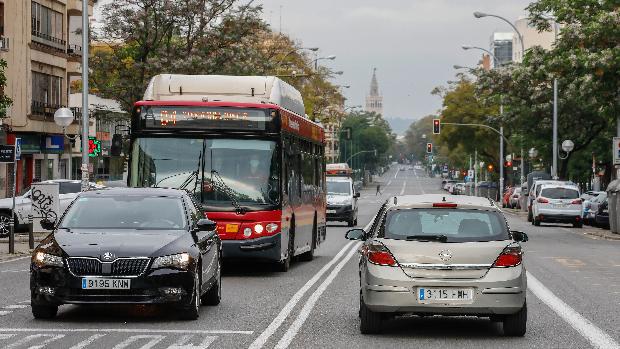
pixel 441 255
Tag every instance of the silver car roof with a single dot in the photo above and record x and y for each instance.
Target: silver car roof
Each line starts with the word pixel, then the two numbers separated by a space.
pixel 427 201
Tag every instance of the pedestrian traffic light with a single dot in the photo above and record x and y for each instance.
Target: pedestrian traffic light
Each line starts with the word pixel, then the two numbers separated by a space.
pixel 436 126
pixel 429 148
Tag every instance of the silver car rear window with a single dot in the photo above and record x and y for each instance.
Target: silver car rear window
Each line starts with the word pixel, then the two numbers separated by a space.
pixel 559 193
pixel 457 225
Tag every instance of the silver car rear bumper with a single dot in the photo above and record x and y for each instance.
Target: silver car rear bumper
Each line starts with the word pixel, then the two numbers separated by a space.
pixel 389 290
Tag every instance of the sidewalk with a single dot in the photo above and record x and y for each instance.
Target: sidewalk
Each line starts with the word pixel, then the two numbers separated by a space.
pixel 21 246
pixel 586 230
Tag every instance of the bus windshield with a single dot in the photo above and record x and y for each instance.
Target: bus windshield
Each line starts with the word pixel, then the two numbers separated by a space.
pixel 219 172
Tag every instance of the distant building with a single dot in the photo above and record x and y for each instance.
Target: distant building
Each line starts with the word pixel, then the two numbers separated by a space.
pixel 41 42
pixel 531 38
pixel 501 46
pixel 374 100
pixel 332 142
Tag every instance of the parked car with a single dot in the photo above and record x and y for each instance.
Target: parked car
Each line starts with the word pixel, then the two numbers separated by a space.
pixel 557 203
pixel 67 189
pixel 459 189
pixel 118 246
pixel 515 198
pixel 441 255
pixel 506 197
pixel 601 218
pixel 592 199
pixel 535 191
pixel 445 184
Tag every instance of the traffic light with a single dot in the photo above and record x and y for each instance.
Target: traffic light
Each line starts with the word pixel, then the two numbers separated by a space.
pixel 508 164
pixel 436 126
pixel 490 167
pixel 117 145
pixel 429 148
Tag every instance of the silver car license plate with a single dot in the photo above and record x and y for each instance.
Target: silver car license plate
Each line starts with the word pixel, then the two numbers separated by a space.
pixel 442 295
pixel 105 284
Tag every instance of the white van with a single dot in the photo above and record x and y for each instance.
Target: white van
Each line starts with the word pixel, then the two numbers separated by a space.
pixel 342 200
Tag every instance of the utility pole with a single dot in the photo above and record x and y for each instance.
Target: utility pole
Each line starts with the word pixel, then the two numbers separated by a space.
pixel 475 172
pixel 85 40
pixel 501 161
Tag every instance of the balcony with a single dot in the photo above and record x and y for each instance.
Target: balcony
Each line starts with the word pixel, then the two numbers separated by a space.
pixel 54 44
pixel 4 43
pixel 74 7
pixel 44 110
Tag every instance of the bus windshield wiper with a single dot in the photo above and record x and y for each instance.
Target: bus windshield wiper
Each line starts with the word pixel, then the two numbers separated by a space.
pixel 228 191
pixel 191 174
pixel 440 238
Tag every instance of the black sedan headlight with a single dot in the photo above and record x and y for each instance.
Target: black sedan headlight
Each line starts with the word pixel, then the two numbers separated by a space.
pixel 42 259
pixel 176 261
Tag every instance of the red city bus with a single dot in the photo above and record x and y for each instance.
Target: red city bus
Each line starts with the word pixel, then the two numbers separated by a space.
pixel 254 165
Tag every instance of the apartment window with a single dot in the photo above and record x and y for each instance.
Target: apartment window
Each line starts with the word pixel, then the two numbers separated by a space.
pixel 1 18
pixel 47 25
pixel 46 93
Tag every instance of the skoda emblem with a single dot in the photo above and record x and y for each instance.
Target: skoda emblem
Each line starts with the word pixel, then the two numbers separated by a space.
pixel 108 256
pixel 445 255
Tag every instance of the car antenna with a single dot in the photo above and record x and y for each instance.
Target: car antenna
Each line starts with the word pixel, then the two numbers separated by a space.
pixel 395 201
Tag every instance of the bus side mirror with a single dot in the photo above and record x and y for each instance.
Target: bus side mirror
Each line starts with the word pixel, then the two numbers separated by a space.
pixel 117 144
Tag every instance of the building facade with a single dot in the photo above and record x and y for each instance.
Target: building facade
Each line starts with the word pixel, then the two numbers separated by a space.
pixel 501 46
pixel 43 58
pixel 374 100
pixel 531 38
pixel 332 142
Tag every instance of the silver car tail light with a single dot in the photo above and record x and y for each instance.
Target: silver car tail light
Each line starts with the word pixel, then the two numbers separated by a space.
pixel 511 256
pixel 379 254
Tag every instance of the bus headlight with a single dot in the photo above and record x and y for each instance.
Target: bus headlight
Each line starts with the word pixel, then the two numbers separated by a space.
pixel 258 228
pixel 247 232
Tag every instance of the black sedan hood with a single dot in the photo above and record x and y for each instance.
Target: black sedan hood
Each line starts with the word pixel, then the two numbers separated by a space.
pixel 120 242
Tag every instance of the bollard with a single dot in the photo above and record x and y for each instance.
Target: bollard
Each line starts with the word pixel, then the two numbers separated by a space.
pixel 30 232
pixel 11 235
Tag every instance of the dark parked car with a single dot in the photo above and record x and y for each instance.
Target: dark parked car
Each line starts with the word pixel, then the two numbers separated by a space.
pixel 601 218
pixel 122 245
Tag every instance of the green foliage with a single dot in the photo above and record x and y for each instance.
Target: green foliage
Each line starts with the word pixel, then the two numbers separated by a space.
pixel 5 101
pixel 370 132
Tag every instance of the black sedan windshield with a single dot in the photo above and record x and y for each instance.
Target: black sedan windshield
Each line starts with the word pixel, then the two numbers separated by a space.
pixel 126 212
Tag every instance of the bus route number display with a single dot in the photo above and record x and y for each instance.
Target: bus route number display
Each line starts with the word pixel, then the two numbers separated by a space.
pixel 204 118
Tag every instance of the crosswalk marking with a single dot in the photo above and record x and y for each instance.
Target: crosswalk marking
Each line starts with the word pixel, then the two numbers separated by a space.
pixel 153 339
pixel 16 306
pixel 32 337
pixel 183 343
pixel 5 312
pixel 87 341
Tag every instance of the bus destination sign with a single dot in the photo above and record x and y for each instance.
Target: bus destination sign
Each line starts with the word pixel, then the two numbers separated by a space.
pixel 203 117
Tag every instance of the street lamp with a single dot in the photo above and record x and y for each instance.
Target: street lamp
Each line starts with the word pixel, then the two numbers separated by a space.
pixel 532 153
pixel 313 49
pixel 458 67
pixel 64 117
pixel 568 147
pixel 316 60
pixel 469 47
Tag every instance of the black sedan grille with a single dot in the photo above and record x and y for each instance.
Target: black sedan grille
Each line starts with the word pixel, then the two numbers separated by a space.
pixel 120 267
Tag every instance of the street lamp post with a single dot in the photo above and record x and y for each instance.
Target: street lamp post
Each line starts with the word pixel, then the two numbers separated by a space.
pixel 64 117
pixel 495 60
pixel 316 61
pixel 313 49
pixel 85 95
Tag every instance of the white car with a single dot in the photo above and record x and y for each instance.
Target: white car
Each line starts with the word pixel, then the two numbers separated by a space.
pixel 558 203
pixel 68 190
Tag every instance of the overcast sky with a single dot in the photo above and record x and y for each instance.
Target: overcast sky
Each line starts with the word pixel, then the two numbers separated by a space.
pixel 412 43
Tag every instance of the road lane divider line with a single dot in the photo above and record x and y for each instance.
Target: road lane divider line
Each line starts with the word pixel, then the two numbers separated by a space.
pixel 260 341
pixel 124 330
pixel 396 174
pixel 402 191
pixel 14 259
pixel 303 315
pixel 597 337
pixel 88 341
pixel 417 180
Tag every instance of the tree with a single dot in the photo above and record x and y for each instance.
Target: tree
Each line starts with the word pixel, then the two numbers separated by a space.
pixel 5 101
pixel 369 132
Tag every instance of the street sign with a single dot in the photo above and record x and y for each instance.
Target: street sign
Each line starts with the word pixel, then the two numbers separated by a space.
pixel 18 149
pixel 6 153
pixel 616 150
pixel 470 173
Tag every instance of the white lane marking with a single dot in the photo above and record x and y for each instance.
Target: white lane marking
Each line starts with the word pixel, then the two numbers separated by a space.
pixel 260 341
pixel 14 259
pixel 153 339
pixel 290 334
pixel 388 183
pixel 7 335
pixel 123 330
pixel 402 191
pixel 182 343
pixel 418 182
pixel 50 338
pixel 396 174
pixel 87 341
pixel 5 312
pixel 14 271
pixel 16 306
pixel 597 337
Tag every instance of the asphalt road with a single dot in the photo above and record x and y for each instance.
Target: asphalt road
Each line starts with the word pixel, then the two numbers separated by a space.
pixel 573 301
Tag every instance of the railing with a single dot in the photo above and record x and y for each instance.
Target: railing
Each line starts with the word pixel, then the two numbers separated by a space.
pixel 4 43
pixel 74 50
pixel 58 45
pixel 46 110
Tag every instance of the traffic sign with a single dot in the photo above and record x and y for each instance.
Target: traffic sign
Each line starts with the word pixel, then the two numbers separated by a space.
pixel 616 150
pixel 18 149
pixel 6 153
pixel 470 173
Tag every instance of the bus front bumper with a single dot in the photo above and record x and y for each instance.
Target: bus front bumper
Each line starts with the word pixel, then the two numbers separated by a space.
pixel 265 248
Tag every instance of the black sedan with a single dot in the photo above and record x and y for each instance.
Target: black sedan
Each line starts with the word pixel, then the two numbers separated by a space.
pixel 128 246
